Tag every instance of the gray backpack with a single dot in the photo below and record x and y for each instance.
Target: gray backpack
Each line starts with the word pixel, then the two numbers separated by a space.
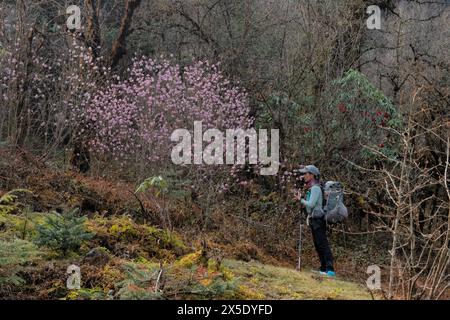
pixel 334 209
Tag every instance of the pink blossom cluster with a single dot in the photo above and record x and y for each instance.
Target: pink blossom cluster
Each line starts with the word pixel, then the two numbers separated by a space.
pixel 49 86
pixel 135 116
pixel 241 177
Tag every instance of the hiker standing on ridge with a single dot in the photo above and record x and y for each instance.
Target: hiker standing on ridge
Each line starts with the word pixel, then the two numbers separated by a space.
pixel 313 204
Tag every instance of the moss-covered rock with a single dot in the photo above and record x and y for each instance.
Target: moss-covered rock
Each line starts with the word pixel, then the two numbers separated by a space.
pixel 126 238
pixel 98 256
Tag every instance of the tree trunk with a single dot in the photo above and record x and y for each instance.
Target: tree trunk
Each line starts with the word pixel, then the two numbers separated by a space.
pixel 119 46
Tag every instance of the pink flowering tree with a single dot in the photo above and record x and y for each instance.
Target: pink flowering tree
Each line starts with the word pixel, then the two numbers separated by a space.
pixel 132 118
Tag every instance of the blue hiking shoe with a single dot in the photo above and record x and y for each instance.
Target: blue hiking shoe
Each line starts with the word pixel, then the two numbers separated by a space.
pixel 322 273
pixel 331 273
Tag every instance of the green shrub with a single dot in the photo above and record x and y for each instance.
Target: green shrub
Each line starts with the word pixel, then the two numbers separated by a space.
pixel 63 233
pixel 13 254
pixel 187 278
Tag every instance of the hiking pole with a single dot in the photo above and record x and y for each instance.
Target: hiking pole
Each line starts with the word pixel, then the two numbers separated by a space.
pixel 299 262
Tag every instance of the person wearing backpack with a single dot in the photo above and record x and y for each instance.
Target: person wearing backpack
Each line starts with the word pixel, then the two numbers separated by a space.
pixel 316 218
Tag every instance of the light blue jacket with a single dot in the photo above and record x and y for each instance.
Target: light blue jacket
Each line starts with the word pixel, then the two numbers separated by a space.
pixel 313 199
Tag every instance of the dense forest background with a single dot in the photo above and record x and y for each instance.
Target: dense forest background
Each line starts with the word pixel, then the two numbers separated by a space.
pixel 86 116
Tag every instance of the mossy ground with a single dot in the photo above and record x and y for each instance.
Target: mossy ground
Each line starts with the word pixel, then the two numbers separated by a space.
pixel 262 281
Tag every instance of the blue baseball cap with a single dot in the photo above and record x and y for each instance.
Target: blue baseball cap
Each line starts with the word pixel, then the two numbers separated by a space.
pixel 310 169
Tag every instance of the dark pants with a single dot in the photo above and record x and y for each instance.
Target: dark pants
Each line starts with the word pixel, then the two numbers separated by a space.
pixel 319 233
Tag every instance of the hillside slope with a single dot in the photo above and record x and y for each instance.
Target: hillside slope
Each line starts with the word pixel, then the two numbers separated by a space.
pixel 120 253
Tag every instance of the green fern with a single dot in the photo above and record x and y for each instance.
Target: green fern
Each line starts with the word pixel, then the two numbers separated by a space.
pixel 157 182
pixel 13 254
pixel 139 283
pixel 8 202
pixel 170 185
